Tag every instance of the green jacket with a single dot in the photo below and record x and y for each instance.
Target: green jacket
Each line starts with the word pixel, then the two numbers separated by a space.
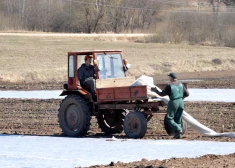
pixel 175 90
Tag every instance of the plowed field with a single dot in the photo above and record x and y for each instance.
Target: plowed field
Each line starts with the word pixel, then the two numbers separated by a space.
pixel 39 117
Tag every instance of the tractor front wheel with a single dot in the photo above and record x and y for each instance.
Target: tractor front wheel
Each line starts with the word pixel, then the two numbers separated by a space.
pixel 74 116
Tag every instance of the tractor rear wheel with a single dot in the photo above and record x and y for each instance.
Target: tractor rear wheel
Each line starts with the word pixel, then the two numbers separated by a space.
pixel 74 116
pixel 135 125
pixel 111 121
pixel 169 130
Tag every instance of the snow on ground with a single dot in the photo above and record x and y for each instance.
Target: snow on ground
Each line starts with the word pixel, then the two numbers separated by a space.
pixel 18 151
pixel 214 95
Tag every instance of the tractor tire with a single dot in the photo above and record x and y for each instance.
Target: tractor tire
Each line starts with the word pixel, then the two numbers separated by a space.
pixel 111 122
pixel 169 130
pixel 74 116
pixel 135 125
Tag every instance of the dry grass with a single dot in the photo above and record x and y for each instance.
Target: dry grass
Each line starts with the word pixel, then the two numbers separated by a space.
pixel 42 58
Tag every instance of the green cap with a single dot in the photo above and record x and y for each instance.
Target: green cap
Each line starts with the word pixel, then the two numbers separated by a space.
pixel 173 75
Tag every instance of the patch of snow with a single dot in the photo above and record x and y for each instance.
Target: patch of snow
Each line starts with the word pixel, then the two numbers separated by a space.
pixel 213 95
pixel 19 151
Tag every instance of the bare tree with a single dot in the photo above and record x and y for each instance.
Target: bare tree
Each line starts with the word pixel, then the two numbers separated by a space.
pixel 229 2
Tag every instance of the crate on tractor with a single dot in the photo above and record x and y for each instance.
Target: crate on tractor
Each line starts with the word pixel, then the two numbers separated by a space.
pixel 117 105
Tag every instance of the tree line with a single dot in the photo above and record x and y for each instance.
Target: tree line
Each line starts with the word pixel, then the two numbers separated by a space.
pixel 166 23
pixel 86 16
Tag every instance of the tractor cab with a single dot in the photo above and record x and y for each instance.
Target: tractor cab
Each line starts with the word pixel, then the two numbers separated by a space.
pixel 110 64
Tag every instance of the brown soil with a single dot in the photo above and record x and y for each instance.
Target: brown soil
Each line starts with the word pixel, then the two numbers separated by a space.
pixel 218 79
pixel 39 117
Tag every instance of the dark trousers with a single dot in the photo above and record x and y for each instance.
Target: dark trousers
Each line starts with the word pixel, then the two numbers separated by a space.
pixel 90 82
pixel 175 110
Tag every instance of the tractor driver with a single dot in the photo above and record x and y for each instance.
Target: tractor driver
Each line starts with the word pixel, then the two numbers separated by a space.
pixel 87 74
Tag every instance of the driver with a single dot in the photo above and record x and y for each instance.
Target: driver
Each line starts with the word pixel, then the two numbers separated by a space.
pixel 87 74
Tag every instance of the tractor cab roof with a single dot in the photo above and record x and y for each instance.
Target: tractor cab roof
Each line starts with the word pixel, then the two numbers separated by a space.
pixel 91 52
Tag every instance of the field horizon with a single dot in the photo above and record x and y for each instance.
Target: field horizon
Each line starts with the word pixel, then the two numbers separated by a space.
pixel 29 57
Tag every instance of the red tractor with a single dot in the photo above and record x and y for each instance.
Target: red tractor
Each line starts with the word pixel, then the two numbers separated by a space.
pixel 118 106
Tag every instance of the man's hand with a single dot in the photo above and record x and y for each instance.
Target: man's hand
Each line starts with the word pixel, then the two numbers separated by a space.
pixel 96 68
pixel 154 89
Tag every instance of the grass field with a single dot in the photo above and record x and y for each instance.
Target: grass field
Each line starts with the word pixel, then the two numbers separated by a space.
pixel 44 57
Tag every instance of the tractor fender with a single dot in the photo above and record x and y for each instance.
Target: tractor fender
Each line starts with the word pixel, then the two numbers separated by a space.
pixel 86 95
pixel 77 92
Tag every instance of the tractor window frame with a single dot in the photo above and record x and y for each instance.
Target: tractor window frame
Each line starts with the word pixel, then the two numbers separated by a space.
pixel 71 66
pixel 115 67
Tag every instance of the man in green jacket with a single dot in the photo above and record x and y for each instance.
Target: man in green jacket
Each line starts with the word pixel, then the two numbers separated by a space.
pixel 176 92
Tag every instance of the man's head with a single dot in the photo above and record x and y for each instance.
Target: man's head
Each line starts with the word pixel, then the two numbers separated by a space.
pixel 172 76
pixel 87 59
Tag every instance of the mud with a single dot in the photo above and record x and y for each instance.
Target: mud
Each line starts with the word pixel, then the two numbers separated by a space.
pixel 39 117
pixel 219 79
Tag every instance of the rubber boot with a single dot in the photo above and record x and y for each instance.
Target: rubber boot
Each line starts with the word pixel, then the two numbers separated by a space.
pixel 178 135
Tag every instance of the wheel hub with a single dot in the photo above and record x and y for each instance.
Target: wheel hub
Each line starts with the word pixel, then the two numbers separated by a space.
pixel 133 125
pixel 72 117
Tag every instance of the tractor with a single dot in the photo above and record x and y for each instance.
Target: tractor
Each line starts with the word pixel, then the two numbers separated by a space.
pixel 117 105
